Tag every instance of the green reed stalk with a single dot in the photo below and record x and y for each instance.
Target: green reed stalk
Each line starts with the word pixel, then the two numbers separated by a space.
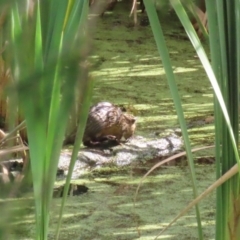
pixel 223 18
pixel 224 25
pixel 46 56
pixel 162 48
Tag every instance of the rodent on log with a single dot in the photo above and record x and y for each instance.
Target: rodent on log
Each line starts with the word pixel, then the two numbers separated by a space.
pixel 106 121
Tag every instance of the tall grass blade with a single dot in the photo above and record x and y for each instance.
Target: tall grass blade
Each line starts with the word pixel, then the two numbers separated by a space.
pixel 162 48
pixel 216 64
pixel 221 28
pixel 227 15
pixel 78 9
pixel 47 65
pixel 207 66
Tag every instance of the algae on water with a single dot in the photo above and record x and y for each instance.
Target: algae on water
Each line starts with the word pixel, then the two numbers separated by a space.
pixel 128 71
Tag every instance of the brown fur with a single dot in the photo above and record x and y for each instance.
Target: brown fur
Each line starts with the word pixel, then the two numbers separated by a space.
pixel 107 121
pixel 124 128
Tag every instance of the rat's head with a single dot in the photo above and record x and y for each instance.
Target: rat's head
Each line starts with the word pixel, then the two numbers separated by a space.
pixel 129 125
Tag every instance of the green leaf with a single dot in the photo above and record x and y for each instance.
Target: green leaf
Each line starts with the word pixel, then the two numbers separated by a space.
pixel 162 49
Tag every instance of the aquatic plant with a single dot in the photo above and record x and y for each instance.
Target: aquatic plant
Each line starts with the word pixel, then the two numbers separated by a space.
pixel 46 52
pixel 223 73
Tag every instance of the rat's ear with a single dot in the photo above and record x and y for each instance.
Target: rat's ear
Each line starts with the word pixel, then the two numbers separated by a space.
pixel 130 118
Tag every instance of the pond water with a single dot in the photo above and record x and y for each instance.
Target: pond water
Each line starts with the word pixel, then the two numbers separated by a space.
pixel 129 72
